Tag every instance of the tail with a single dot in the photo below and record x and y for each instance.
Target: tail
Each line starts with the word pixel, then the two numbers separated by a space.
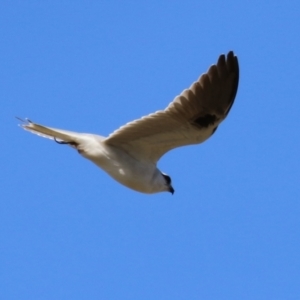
pixel 59 135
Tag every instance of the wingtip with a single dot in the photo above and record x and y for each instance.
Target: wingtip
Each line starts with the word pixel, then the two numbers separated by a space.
pixel 231 53
pixel 232 59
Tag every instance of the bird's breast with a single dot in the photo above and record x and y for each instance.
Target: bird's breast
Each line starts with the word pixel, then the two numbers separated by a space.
pixel 123 167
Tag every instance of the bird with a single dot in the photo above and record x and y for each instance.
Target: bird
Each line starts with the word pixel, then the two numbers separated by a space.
pixel 130 153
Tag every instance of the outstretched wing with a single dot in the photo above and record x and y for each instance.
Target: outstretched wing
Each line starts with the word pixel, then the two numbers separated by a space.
pixel 191 118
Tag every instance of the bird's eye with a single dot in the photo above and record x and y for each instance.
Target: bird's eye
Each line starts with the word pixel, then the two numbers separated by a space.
pixel 168 178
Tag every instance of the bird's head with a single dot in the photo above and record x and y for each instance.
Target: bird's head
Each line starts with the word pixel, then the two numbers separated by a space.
pixel 168 183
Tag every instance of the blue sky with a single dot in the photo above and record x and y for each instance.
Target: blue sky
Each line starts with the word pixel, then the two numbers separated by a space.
pixel 68 231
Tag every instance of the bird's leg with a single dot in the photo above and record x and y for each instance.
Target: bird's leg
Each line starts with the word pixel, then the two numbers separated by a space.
pixel 72 144
pixel 66 143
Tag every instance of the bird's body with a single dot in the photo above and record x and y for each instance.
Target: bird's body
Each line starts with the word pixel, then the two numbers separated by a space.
pixel 130 154
pixel 124 168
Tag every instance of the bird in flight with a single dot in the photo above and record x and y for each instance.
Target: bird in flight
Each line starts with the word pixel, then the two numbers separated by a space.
pixel 130 154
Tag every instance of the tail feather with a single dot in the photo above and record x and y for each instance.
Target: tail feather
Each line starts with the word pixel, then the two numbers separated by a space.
pixel 50 133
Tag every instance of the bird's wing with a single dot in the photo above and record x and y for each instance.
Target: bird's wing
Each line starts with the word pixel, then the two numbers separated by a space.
pixel 190 118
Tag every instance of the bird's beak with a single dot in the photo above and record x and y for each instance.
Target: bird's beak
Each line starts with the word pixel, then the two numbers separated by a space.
pixel 171 190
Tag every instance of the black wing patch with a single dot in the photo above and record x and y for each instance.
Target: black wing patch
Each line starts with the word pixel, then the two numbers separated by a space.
pixel 205 121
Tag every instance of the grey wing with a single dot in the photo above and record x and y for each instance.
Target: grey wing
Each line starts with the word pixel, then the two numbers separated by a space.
pixel 191 118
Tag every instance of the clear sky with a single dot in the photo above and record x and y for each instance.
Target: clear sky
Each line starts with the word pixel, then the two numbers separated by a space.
pixel 69 231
